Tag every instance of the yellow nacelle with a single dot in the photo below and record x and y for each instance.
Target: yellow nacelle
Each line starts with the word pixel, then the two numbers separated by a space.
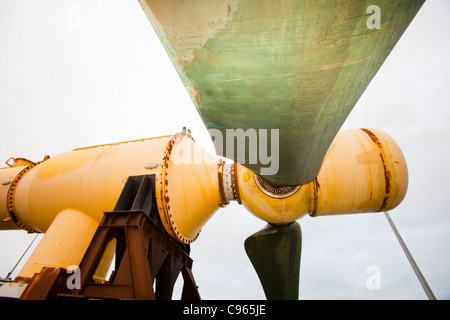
pixel 65 196
pixel 363 171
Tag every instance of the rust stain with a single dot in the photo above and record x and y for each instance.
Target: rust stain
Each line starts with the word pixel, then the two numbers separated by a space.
pixel 387 173
pixel 341 64
pixel 316 188
pixel 194 94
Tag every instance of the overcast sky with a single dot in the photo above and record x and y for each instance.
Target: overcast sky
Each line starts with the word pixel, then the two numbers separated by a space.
pixel 67 82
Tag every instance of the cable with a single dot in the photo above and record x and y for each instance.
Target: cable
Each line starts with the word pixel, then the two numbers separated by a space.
pixel 7 278
pixel 416 269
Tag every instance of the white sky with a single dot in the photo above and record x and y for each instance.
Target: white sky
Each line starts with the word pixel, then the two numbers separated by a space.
pixel 65 85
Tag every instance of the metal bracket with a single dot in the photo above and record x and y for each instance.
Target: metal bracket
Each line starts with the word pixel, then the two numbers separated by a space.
pixel 148 260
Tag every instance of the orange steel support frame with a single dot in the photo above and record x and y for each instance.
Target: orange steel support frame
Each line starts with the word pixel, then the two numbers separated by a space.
pixel 148 256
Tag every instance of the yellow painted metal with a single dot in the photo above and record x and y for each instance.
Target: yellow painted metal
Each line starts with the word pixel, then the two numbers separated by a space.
pixel 7 176
pixel 18 162
pixel 105 262
pixel 65 196
pixel 269 208
pixel 363 171
pixel 89 180
pixel 64 243
pixel 12 182
pixel 188 190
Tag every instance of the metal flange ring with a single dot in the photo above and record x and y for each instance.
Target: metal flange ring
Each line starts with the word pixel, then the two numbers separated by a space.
pixel 10 196
pixel 272 191
pixel 10 199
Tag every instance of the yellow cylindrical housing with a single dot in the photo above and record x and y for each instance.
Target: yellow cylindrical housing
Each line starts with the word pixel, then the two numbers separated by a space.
pixel 66 196
pixel 188 191
pixel 363 171
pixel 90 180
pixel 64 243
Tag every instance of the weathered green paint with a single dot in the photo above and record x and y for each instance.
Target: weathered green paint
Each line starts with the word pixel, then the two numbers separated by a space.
pixel 275 254
pixel 294 65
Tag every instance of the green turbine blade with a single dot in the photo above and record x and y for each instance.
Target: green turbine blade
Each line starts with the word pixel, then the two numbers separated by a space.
pixel 294 65
pixel 275 254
